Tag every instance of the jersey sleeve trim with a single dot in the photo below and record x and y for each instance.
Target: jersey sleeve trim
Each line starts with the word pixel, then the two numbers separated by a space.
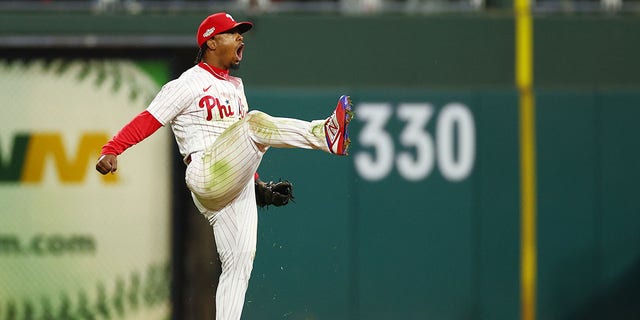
pixel 138 129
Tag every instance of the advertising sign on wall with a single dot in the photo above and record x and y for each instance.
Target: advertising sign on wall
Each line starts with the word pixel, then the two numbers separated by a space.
pixel 75 244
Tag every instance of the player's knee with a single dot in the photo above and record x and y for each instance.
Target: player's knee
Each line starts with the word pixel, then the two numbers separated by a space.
pixel 261 129
pixel 260 118
pixel 255 113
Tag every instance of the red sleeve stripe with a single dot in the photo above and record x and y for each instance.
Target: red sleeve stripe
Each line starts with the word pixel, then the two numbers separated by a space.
pixel 138 129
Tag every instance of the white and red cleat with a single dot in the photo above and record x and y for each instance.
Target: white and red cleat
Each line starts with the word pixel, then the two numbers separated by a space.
pixel 336 127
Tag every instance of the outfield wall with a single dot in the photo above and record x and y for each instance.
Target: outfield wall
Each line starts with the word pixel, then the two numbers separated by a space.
pixel 427 226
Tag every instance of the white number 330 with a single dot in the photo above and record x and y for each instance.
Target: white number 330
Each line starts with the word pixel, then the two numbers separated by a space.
pixel 453 149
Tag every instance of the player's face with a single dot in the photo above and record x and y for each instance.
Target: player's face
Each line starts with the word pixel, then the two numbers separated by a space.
pixel 229 47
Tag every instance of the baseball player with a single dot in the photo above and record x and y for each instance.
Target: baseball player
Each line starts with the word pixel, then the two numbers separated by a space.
pixel 222 143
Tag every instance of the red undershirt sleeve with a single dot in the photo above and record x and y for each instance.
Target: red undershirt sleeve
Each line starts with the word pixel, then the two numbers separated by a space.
pixel 142 126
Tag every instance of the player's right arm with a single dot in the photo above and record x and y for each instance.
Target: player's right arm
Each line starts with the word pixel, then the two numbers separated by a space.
pixel 133 132
pixel 165 106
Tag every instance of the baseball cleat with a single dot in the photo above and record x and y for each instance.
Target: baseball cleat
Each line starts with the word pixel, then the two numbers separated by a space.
pixel 336 127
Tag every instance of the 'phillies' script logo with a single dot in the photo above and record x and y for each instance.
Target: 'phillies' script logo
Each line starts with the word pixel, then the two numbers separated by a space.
pixel 210 102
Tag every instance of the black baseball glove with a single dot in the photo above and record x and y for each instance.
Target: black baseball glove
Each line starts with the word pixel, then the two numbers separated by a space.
pixel 273 193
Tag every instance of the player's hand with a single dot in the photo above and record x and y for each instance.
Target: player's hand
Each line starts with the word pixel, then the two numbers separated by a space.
pixel 107 163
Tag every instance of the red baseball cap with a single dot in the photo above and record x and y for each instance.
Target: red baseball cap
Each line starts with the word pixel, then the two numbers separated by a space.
pixel 218 23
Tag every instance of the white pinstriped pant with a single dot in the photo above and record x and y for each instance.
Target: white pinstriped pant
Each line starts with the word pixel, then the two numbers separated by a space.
pixel 221 183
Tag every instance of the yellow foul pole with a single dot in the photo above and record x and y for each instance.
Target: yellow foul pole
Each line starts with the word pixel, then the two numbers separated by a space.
pixel 524 83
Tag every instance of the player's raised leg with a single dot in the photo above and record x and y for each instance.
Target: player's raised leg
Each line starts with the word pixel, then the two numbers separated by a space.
pixel 219 173
pixel 330 135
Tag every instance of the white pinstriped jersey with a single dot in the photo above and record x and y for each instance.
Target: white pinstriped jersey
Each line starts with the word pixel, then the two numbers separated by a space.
pixel 199 106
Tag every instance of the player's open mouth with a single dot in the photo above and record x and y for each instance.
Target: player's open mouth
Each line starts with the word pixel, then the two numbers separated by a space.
pixel 239 52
